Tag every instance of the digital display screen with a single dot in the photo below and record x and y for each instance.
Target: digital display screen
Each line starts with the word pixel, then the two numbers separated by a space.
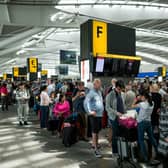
pixel 23 71
pixel 9 75
pixel 100 65
pixel 118 67
pixel 63 70
pixel 39 67
pixel 68 57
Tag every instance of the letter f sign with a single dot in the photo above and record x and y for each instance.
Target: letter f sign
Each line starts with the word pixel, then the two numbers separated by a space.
pixel 99 31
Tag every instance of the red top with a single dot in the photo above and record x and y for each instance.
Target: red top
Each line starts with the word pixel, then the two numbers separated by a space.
pixel 3 91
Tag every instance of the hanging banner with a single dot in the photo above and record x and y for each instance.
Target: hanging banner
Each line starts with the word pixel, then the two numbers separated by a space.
pixel 33 65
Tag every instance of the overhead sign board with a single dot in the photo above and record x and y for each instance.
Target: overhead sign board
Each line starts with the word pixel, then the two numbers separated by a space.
pixel 44 72
pixel 164 69
pixel 15 72
pixel 99 37
pixel 4 76
pixel 33 65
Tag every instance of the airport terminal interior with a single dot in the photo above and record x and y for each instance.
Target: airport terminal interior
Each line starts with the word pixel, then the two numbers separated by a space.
pixel 84 83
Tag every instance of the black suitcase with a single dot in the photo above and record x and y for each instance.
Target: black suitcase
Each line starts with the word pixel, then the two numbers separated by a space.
pixel 52 124
pixel 69 134
pixel 130 134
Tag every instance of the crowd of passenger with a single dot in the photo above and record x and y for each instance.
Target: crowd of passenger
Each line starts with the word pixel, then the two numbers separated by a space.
pixel 95 107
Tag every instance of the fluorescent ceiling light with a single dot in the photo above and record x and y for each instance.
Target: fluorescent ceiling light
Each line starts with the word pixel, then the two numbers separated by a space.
pixel 111 2
pixel 70 20
pixel 152 46
pixel 20 52
pixel 60 16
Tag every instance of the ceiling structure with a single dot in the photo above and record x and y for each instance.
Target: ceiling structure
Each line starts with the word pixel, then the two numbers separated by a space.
pixel 42 27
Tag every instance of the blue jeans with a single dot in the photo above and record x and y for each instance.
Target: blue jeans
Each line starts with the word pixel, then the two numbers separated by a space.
pixel 44 116
pixel 115 129
pixel 145 126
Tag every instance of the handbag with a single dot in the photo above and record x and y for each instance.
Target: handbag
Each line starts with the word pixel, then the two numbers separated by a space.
pixel 127 122
pixel 128 128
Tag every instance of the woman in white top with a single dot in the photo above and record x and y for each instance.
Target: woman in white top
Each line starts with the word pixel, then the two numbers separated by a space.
pixel 44 107
pixel 144 123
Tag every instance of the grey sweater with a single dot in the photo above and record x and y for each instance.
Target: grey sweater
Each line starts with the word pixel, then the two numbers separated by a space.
pixel 111 105
pixel 22 96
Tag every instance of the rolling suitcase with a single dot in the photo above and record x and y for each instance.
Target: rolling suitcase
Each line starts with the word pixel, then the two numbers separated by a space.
pixel 127 154
pixel 52 124
pixel 69 134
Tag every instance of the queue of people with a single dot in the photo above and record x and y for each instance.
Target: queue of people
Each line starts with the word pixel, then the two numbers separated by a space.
pixel 149 105
pixel 90 104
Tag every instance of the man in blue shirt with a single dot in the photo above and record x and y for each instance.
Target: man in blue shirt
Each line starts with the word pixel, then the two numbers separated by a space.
pixel 94 106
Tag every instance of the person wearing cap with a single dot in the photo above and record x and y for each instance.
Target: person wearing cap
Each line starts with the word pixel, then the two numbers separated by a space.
pixel 22 97
pixel 115 108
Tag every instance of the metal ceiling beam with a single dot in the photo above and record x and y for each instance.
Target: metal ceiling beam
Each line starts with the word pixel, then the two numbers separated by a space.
pixel 14 49
pixel 155 52
pixel 1 28
pixel 158 26
pixel 9 50
pixel 19 37
pixel 4 15
pixel 127 13
pixel 31 16
pixel 153 40
pixel 145 24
